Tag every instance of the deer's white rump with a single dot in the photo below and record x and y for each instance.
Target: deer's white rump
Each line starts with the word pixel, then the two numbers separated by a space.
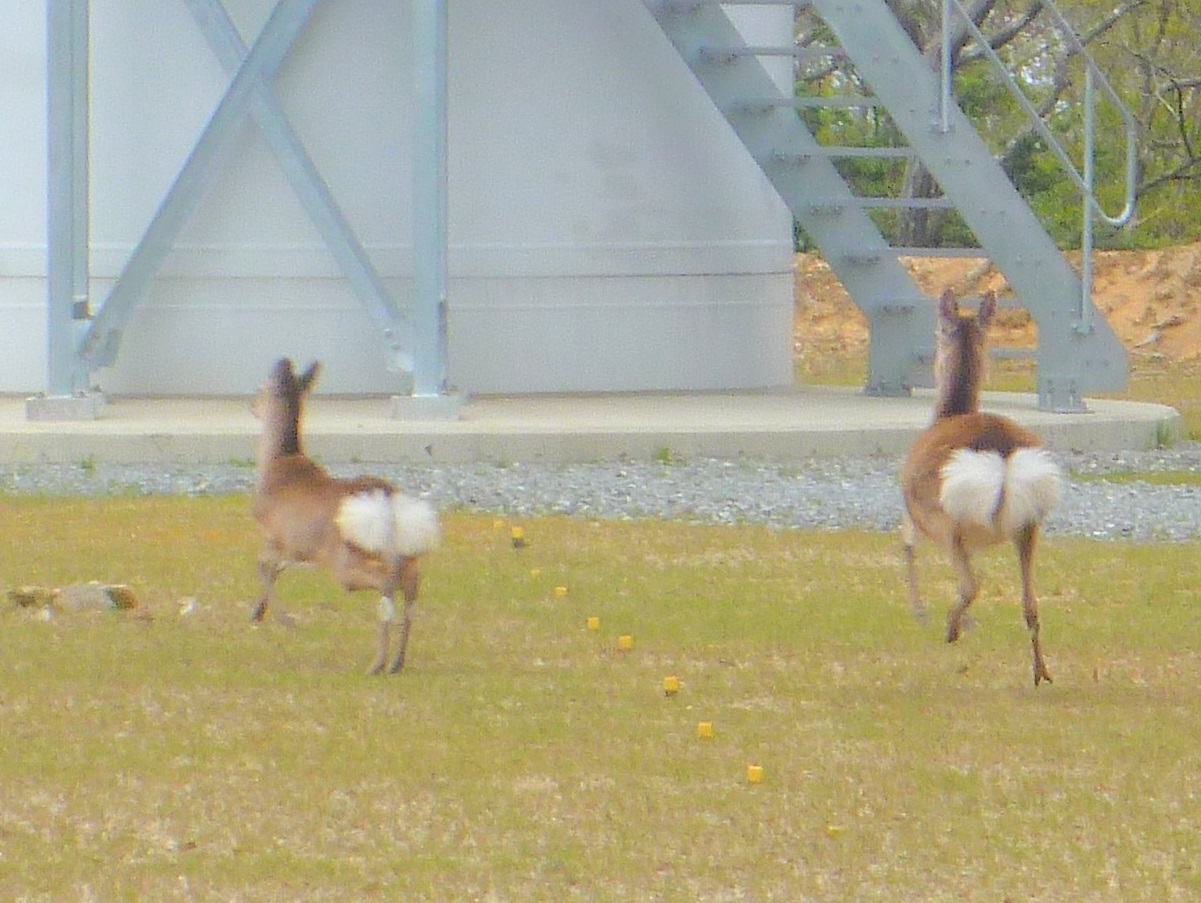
pixel 1004 494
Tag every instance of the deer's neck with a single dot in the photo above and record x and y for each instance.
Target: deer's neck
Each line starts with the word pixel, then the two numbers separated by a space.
pixel 280 437
pixel 960 372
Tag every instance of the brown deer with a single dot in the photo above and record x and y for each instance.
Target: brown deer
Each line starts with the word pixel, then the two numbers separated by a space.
pixel 972 479
pixel 368 534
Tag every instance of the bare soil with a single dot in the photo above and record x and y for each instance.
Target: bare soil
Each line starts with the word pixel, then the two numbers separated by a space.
pixel 1152 299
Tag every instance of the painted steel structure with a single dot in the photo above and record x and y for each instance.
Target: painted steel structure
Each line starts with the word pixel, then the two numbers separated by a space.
pixel 609 240
pixel 1077 350
pixel 71 358
pixel 552 314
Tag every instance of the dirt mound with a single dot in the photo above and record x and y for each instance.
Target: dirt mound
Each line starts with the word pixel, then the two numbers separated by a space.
pixel 1152 299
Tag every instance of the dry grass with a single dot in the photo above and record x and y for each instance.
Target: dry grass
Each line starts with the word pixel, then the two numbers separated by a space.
pixel 522 757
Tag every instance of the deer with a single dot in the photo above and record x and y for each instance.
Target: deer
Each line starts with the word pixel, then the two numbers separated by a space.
pixel 368 534
pixel 973 479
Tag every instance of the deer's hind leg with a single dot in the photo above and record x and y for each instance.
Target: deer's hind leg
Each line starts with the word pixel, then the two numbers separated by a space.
pixel 409 581
pixel 357 571
pixel 908 540
pixel 387 615
pixel 1025 543
pixel 271 563
pixel 967 588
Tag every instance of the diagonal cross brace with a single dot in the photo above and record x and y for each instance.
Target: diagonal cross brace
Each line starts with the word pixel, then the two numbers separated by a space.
pixel 242 97
pixel 99 345
pixel 314 194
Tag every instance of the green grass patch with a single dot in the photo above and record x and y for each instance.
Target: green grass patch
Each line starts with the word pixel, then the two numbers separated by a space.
pixel 1153 478
pixel 1177 385
pixel 169 756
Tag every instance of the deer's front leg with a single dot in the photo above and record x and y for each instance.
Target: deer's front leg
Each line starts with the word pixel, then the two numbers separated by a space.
pixel 908 539
pixel 270 565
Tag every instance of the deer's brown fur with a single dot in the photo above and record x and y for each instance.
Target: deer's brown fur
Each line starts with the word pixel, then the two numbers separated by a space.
pixel 973 479
pixel 368 534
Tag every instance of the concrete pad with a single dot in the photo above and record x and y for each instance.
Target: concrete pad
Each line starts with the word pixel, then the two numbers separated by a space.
pixel 777 426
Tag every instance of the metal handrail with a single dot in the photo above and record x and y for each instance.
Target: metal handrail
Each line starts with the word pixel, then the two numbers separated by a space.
pixel 1093 77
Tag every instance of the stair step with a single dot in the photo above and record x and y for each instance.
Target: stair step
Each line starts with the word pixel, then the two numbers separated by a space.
pixel 874 255
pixel 1013 354
pixel 898 251
pixel 849 101
pixel 881 203
pixel 873 153
pixel 683 7
pixel 836 102
pixel 761 106
pixel 727 55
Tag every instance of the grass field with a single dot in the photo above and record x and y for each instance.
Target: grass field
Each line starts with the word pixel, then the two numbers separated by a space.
pixel 157 755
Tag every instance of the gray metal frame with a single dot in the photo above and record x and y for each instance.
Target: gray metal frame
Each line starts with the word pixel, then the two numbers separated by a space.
pixel 1076 352
pixel 418 344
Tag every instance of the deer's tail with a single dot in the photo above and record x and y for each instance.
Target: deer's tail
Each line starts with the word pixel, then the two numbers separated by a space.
pixel 1005 494
pixel 388 523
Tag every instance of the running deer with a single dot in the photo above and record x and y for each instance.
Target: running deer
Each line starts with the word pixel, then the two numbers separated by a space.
pixel 367 533
pixel 972 479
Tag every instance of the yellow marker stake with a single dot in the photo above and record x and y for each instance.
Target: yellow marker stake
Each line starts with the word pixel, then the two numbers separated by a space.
pixel 560 592
pixel 625 642
pixel 671 685
pixel 754 774
pixel 704 730
pixel 594 623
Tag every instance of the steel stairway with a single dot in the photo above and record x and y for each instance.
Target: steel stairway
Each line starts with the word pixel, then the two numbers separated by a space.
pixel 1077 351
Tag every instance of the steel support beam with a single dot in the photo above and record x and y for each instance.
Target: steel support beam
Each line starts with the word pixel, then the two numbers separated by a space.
pixel 430 198
pixel 67 193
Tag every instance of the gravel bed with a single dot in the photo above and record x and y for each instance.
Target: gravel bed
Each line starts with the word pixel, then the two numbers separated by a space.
pixel 824 494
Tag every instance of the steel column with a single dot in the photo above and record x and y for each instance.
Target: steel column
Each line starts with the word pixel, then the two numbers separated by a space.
pixel 430 198
pixel 67 192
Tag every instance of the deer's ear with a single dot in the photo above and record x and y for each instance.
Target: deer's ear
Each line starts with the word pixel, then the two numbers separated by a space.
pixel 988 307
pixel 306 379
pixel 948 307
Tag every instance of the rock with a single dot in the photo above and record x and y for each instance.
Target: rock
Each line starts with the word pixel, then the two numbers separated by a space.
pixel 1149 340
pixel 97 597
